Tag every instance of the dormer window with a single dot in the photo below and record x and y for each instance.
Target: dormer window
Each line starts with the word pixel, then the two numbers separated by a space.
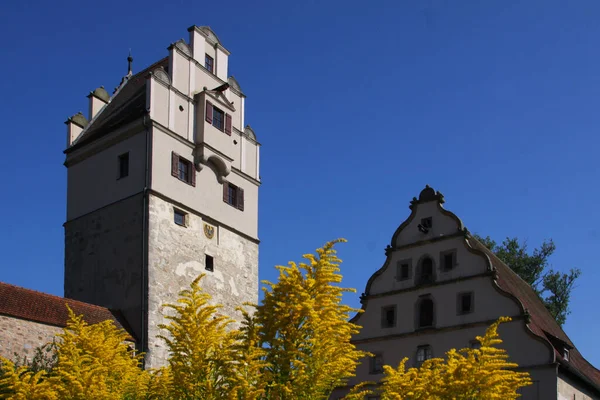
pixel 566 354
pixel 209 63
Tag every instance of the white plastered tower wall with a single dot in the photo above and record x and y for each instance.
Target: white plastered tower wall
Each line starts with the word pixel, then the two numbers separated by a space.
pixel 144 262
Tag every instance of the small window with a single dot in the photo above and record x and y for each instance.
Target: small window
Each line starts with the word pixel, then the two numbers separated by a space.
pixel 423 353
pixel 425 312
pixel 183 169
pixel 218 119
pixel 376 364
pixel 566 354
pixel 209 63
pixel 180 217
pixel 403 270
pixel 427 222
pixel 233 195
pixel 448 259
pixel 465 303
pixel 123 165
pixel 388 317
pixel 209 263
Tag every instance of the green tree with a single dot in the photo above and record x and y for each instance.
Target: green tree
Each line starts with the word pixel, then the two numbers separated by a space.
pixel 553 287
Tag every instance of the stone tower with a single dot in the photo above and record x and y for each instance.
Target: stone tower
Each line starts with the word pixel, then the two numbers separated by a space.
pixel 163 179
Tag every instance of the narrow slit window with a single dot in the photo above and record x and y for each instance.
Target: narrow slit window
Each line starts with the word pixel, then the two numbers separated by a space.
pixel 209 263
pixel 124 165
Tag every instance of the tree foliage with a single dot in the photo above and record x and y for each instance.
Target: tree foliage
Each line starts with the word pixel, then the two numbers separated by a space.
pixel 466 374
pixel 295 344
pixel 553 287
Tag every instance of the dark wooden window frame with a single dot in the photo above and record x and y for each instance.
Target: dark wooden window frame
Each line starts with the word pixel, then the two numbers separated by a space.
pixel 176 159
pixel 233 195
pixel 209 63
pixel 225 123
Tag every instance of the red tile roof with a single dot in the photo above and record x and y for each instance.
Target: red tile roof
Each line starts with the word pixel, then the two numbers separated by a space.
pixel 542 323
pixel 45 308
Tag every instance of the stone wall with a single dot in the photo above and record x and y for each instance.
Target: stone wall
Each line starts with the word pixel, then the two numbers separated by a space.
pixel 177 255
pixel 569 388
pixel 23 337
pixel 103 259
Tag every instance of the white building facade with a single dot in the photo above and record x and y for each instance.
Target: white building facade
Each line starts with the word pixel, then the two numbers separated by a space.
pixel 439 288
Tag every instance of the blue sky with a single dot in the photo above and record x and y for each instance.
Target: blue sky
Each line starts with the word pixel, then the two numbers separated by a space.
pixel 357 105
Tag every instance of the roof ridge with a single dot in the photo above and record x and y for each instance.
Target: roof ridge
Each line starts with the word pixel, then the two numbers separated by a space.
pixel 52 296
pixel 529 287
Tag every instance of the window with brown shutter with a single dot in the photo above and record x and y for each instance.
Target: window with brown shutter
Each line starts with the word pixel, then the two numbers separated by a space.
pixel 240 199
pixel 209 112
pixel 226 192
pixel 218 119
pixel 228 124
pixel 233 195
pixel 174 164
pixel 183 169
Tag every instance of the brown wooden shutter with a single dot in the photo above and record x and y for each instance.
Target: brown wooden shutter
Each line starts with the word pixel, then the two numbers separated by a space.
pixel 240 198
pixel 175 164
pixel 209 112
pixel 192 174
pixel 226 191
pixel 228 124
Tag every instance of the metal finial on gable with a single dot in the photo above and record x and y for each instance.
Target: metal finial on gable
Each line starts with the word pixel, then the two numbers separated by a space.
pixel 129 62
